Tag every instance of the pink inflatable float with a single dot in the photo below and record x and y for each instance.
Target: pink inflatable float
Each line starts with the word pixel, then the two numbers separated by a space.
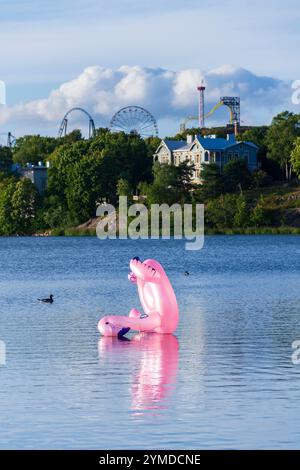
pixel 157 298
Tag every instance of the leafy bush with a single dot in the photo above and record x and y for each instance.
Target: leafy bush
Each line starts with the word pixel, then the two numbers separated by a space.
pixel 261 178
pixel 212 183
pixel 242 216
pixel 236 175
pixel 220 212
pixel 18 207
pixel 260 215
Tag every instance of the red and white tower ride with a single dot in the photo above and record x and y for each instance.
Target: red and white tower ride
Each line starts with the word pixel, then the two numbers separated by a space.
pixel 201 89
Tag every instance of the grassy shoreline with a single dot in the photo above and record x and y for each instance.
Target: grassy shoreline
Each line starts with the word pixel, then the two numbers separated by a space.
pixel 283 230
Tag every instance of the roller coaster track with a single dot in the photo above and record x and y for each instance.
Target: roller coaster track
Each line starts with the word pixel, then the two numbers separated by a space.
pixel 234 111
pixel 64 123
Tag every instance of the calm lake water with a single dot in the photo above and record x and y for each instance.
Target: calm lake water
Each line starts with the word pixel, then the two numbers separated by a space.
pixel 225 380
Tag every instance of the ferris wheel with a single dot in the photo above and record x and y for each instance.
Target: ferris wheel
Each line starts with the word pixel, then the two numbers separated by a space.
pixel 134 120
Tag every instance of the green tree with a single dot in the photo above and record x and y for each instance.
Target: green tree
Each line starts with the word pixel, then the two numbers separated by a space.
pixel 61 162
pixel 18 207
pixel 280 140
pixel 126 156
pixel 24 206
pixel 73 136
pixel 211 183
pixel 152 144
pixel 84 187
pixel 55 213
pixel 6 160
pixel 260 179
pixel 86 172
pixel 123 188
pixel 241 216
pixel 257 135
pixel 260 215
pixel 236 175
pixel 295 157
pixel 33 148
pixel 170 184
pixel 220 212
pixel 163 189
pixel 7 226
pixel 183 184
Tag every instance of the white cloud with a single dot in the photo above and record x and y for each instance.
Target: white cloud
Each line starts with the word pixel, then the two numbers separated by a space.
pixel 133 84
pixel 169 95
pixel 184 87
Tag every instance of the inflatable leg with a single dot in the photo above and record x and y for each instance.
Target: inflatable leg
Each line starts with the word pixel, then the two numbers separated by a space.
pixel 120 325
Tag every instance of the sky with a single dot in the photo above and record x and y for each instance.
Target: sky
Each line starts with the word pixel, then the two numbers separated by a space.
pixel 103 55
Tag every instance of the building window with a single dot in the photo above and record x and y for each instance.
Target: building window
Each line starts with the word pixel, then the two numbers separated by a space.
pixel 236 155
pixel 206 157
pixel 218 157
pixel 229 157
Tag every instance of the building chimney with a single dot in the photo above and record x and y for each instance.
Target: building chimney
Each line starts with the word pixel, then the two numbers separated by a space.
pixel 189 139
pixel 231 138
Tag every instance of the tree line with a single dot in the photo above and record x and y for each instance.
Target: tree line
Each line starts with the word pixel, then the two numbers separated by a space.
pixel 84 173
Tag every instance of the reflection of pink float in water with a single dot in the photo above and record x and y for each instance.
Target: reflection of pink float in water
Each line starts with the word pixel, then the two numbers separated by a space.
pixel 157 371
pixel 155 367
pixel 157 298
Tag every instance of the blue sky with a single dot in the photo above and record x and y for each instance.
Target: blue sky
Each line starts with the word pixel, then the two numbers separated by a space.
pixel 49 43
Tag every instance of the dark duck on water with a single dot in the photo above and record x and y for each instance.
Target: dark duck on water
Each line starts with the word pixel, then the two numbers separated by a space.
pixel 50 300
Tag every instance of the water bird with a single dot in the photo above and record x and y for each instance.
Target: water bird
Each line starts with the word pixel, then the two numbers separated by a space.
pixel 186 273
pixel 50 300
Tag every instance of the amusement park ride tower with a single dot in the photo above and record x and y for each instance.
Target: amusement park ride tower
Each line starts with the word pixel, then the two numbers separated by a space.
pixel 232 103
pixel 201 89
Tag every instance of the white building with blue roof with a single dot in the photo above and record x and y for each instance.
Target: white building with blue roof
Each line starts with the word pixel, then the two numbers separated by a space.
pixel 209 149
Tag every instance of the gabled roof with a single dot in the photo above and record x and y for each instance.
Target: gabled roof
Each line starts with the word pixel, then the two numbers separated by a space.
pixel 185 147
pixel 175 144
pixel 220 143
pixel 233 144
pixel 250 143
pixel 214 144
